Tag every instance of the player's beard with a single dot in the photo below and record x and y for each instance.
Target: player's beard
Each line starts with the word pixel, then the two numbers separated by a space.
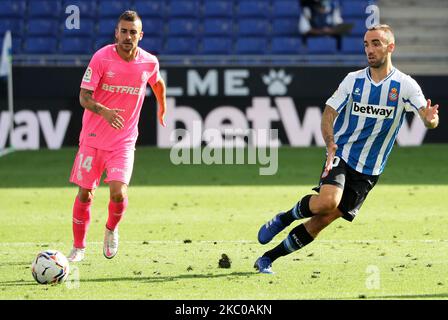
pixel 377 63
pixel 126 46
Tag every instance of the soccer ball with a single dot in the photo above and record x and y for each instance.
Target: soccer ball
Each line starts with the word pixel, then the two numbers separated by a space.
pixel 50 266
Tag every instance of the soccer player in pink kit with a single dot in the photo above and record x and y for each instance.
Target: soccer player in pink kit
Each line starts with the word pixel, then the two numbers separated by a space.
pixel 112 92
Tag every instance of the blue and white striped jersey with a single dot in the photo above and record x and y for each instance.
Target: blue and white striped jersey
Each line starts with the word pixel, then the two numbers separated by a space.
pixel 370 116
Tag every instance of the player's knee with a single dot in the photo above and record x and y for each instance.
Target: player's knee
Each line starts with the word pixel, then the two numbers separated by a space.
pixel 118 196
pixel 327 205
pixel 85 195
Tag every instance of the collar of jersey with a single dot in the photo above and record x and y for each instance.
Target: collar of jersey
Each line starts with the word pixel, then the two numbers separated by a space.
pixel 376 84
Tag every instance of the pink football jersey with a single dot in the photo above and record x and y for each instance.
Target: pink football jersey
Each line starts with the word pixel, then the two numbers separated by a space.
pixel 117 84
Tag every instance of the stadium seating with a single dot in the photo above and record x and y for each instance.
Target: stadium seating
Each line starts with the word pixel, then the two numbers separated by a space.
pixel 176 26
pixel 253 8
pixel 12 9
pixel 286 45
pixel 150 8
pixel 44 9
pixel 286 8
pixel 251 45
pixel 352 45
pixel 321 45
pixel 41 45
pixel 76 45
pixel 218 26
pixel 112 8
pixel 180 45
pixel 216 45
pixel 86 29
pixel 43 27
pixel 183 27
pixel 285 26
pixel 218 8
pixel 152 44
pixel 87 9
pixel 253 27
pixel 183 8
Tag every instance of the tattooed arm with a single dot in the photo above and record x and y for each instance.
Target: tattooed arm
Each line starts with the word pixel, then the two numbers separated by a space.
pixel 110 115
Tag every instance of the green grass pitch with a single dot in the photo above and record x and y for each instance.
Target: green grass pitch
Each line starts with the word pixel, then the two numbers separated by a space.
pixel 181 219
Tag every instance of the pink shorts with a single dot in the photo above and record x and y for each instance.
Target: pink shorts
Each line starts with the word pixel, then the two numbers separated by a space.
pixel 90 164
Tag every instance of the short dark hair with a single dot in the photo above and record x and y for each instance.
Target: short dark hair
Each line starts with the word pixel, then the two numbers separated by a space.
pixel 129 15
pixel 387 30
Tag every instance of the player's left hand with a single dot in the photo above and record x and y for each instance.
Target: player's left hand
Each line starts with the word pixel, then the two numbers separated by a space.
pixel 430 112
pixel 161 116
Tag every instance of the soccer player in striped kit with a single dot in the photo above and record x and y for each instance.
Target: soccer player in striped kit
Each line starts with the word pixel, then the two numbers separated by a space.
pixel 359 126
pixel 112 92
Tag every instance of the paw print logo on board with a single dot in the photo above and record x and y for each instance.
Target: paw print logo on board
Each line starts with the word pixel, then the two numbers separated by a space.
pixel 277 82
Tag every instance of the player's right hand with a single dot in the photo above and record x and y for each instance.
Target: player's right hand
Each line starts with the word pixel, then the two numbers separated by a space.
pixel 331 152
pixel 113 118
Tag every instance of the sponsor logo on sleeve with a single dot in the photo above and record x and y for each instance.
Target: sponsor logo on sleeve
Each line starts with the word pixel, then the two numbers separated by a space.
pixel 87 75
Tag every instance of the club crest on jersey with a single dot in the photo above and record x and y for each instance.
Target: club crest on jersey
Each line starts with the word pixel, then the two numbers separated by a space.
pixel 393 94
pixel 110 74
pixel 372 111
pixel 357 92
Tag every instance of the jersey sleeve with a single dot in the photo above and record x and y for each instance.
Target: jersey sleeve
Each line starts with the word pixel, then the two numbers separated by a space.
pixel 155 73
pixel 414 99
pixel 93 74
pixel 341 96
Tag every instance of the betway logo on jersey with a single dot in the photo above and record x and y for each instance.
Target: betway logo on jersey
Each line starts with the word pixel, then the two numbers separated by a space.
pixel 121 89
pixel 372 111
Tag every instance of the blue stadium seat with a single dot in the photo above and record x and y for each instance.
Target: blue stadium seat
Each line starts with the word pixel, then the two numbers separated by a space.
pixel 354 8
pixel 255 27
pixel 286 8
pixel 100 42
pixel 87 8
pixel 180 45
pixel 183 8
pixel 216 45
pixel 150 8
pixel 86 28
pixel 12 9
pixel 285 26
pixel 40 45
pixel 321 45
pixel 251 45
pixel 183 26
pixel 218 8
pixel 153 25
pixel 76 45
pixel 17 45
pixel 359 26
pixel 43 27
pixel 151 44
pixel 16 26
pixel 352 45
pixel 112 8
pixel 253 8
pixel 218 26
pixel 44 9
pixel 106 27
pixel 286 45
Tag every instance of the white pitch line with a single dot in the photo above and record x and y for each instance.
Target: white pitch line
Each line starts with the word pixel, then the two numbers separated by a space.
pixel 6 244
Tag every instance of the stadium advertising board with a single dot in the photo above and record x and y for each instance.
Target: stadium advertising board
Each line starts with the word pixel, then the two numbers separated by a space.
pixel 291 99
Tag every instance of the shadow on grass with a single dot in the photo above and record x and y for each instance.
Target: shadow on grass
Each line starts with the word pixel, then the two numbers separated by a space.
pixel 152 279
pixel 153 167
